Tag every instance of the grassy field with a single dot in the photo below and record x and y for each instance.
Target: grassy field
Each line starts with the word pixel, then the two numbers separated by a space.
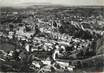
pixel 6 47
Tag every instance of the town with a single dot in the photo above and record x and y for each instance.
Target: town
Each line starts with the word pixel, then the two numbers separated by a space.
pixel 51 39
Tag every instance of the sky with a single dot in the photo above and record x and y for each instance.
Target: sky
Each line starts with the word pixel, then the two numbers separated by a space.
pixel 56 2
